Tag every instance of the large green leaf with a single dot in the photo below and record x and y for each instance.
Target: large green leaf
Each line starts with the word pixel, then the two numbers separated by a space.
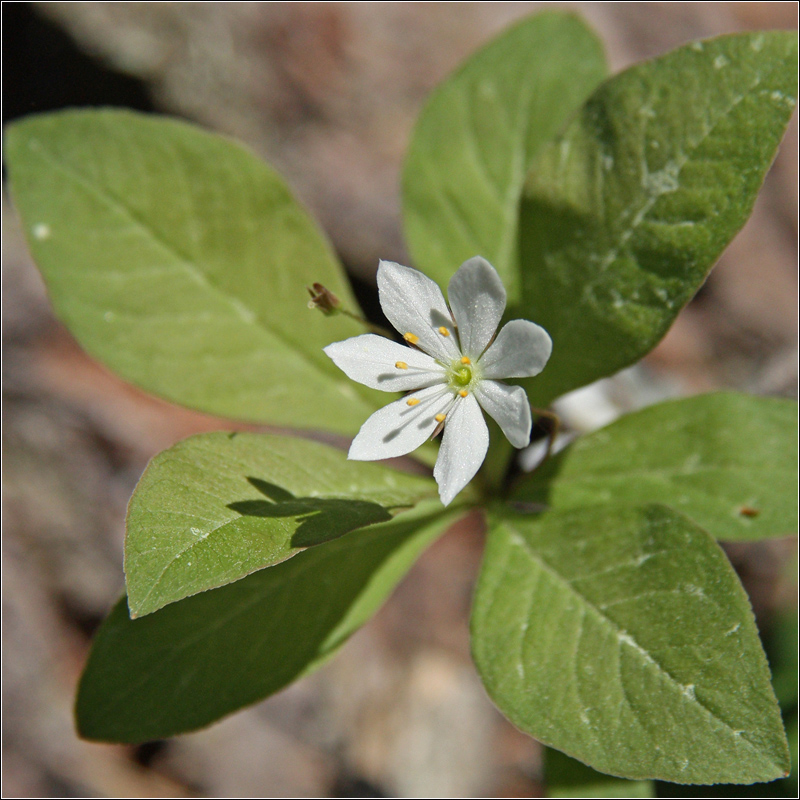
pixel 624 215
pixel 180 260
pixel 198 660
pixel 728 461
pixel 476 137
pixel 218 506
pixel 624 638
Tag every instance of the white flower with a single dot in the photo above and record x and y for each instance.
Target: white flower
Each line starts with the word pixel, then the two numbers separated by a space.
pixel 451 370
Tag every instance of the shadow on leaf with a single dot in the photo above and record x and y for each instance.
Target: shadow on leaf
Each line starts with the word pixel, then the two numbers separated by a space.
pixel 320 519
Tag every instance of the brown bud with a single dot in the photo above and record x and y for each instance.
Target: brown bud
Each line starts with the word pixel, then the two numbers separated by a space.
pixel 323 299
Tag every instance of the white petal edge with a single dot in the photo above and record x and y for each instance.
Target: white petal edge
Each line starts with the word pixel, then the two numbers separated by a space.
pixel 508 406
pixel 413 303
pixel 520 350
pixel 478 299
pixel 464 445
pixel 398 428
pixel 371 360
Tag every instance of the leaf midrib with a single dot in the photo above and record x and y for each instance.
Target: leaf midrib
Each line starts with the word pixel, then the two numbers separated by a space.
pixel 369 493
pixel 519 539
pixel 252 318
pixel 242 608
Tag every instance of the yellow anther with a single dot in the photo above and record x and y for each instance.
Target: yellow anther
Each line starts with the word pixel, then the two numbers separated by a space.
pixel 463 393
pixel 444 331
pixel 411 338
pixel 440 417
pixel 401 365
pixel 412 401
pixel 465 360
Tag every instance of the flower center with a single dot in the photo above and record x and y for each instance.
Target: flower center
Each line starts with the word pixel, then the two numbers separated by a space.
pixel 462 375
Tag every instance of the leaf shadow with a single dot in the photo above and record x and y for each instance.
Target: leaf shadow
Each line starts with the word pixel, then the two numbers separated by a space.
pixel 320 519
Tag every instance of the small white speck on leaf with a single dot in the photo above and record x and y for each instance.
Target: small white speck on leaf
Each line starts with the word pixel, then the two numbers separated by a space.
pixel 109 316
pixel 720 61
pixel 487 89
pixel 347 390
pixel 697 591
pixel 691 463
pixel 664 180
pixel 733 629
pixel 779 97
pixel 41 231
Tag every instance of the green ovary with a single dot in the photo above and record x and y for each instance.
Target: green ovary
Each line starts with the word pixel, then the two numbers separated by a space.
pixel 461 376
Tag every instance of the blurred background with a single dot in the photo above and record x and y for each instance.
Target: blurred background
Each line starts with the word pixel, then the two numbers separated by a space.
pixel 328 93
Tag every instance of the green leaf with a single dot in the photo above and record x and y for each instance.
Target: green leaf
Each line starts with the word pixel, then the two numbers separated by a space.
pixel 195 661
pixel 566 777
pixel 728 461
pixel 624 215
pixel 624 638
pixel 180 260
pixel 477 135
pixel 218 506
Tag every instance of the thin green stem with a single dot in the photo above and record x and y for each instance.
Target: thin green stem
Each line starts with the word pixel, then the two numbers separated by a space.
pixel 367 324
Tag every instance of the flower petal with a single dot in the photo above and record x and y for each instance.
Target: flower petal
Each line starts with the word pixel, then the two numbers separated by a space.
pixel 399 428
pixel 520 350
pixel 478 299
pixel 413 303
pixel 464 445
pixel 372 360
pixel 508 407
